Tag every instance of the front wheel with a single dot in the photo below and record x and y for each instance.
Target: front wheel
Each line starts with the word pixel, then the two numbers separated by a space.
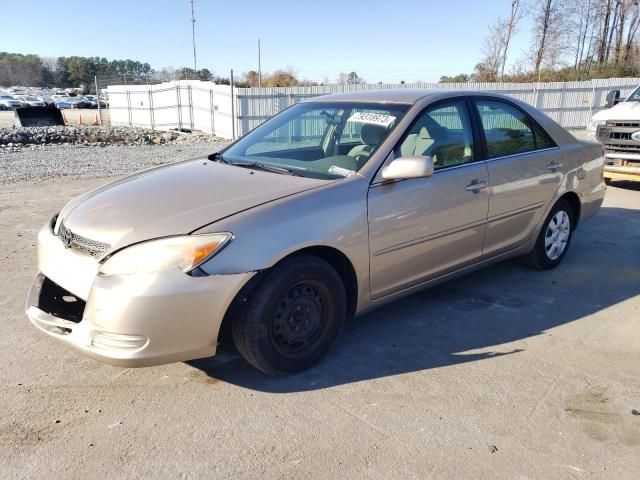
pixel 292 318
pixel 554 238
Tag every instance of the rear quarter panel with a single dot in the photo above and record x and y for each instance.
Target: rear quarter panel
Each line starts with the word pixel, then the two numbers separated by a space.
pixel 583 165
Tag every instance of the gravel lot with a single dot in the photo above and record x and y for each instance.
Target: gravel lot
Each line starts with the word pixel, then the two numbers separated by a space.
pixel 54 161
pixel 506 373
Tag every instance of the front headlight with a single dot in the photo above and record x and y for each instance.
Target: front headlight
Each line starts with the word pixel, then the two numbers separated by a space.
pixel 185 253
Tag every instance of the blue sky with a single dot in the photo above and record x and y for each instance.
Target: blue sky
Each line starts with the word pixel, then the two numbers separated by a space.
pixel 384 41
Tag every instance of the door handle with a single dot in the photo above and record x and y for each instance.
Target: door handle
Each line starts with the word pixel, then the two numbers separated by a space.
pixel 475 186
pixel 553 166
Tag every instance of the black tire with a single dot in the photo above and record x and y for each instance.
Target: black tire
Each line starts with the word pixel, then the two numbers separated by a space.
pixel 607 181
pixel 538 258
pixel 292 318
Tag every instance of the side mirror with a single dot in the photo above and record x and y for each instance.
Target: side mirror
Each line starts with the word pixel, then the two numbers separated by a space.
pixel 613 98
pixel 408 167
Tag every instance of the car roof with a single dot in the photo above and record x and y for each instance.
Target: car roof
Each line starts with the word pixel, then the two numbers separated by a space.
pixel 399 95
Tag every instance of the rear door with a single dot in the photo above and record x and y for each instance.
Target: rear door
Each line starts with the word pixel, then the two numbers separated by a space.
pixel 524 172
pixel 424 227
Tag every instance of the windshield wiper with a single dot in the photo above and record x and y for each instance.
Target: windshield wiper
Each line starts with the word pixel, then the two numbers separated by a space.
pixel 265 167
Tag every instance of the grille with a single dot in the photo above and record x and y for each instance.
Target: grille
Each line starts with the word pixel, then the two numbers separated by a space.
pixel 622 147
pixel 623 124
pixel 92 247
pixel 620 135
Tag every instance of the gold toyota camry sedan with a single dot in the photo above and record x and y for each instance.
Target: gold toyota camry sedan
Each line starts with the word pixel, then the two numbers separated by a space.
pixel 333 207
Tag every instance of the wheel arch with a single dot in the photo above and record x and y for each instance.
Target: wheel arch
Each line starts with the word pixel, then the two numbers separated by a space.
pixel 334 257
pixel 576 205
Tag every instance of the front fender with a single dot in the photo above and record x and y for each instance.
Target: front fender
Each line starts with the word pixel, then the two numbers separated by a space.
pixel 334 216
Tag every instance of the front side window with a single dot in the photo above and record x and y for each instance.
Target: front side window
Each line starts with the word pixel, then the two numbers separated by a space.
pixel 319 139
pixel 509 131
pixel 442 132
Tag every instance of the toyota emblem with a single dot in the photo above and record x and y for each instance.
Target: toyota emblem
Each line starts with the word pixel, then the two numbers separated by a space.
pixel 636 136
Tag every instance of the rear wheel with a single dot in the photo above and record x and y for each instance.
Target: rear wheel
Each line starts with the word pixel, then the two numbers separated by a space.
pixel 292 318
pixel 554 238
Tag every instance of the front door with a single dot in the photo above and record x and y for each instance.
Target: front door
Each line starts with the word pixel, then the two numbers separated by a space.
pixel 421 228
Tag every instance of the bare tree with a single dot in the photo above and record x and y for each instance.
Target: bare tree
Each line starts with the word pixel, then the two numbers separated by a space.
pixel 632 29
pixel 165 74
pixel 50 63
pixel 605 14
pixel 580 16
pixel 492 49
pixel 623 10
pixel 547 32
pixel 518 12
pixel 252 78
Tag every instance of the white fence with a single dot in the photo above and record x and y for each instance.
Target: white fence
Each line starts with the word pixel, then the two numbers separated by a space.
pixel 229 113
pixel 190 105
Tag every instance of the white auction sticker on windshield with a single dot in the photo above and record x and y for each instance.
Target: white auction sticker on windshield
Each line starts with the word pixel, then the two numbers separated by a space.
pixel 372 118
pixel 343 172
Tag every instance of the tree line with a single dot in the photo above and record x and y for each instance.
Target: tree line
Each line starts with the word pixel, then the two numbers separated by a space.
pixel 569 40
pixel 65 72
pixel 36 71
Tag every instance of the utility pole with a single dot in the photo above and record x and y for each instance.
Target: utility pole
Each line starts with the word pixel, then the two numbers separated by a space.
pixel 95 79
pixel 259 65
pixel 193 36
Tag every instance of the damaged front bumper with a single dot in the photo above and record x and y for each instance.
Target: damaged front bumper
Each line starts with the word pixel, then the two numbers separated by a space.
pixel 127 320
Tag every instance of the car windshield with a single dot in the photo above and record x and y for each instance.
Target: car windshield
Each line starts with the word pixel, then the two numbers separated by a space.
pixel 635 96
pixel 320 140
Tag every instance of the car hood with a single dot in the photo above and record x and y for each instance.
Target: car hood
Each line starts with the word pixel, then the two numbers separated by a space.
pixel 622 111
pixel 174 199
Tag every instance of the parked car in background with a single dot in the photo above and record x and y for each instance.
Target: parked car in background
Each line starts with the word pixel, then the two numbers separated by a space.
pixel 9 102
pixel 618 130
pixel 63 103
pixel 48 100
pixel 72 102
pixel 33 101
pixel 331 208
pixel 90 101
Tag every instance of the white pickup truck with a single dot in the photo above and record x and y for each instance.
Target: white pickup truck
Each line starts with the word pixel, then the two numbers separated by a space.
pixel 618 130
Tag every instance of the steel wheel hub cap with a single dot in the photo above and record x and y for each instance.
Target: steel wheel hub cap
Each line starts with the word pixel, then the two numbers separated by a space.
pixel 557 235
pixel 297 318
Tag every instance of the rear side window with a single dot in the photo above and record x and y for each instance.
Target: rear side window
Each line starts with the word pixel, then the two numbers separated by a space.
pixel 509 131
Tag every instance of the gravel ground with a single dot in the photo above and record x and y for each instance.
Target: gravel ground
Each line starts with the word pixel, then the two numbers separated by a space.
pixel 53 161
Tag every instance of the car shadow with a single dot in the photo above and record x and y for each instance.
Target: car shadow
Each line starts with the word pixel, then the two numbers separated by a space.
pixel 469 319
pixel 626 185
